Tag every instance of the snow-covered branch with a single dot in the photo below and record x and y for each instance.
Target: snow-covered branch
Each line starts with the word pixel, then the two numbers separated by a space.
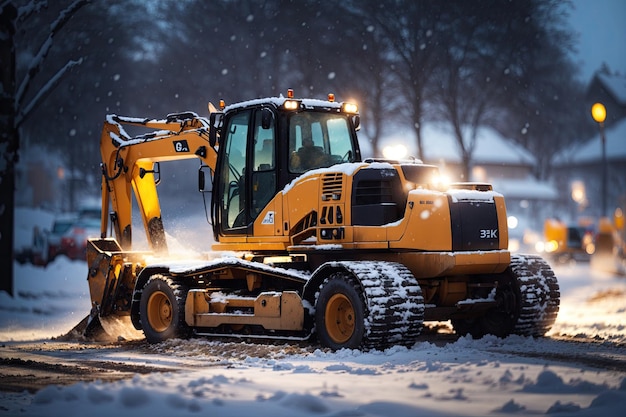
pixel 37 61
pixel 23 113
pixel 33 69
pixel 65 15
pixel 24 11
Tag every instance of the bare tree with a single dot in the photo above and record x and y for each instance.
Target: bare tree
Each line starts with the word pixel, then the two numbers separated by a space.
pixel 490 49
pixel 16 104
pixel 476 54
pixel 362 69
pixel 413 46
pixel 546 109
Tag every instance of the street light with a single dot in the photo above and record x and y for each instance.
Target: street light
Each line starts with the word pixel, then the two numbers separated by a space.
pixel 598 112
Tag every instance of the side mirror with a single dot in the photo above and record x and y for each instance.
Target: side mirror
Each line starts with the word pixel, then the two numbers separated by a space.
pixel 201 180
pixel 267 118
pixel 215 127
pixel 202 183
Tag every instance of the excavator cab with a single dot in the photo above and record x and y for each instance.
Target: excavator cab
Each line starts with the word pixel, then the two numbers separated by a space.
pixel 263 147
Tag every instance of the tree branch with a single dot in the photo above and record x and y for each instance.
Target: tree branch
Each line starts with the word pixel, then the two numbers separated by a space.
pixel 37 61
pixel 26 10
pixel 23 113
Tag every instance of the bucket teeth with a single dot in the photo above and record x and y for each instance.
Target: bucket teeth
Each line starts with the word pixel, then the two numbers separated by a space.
pixel 94 328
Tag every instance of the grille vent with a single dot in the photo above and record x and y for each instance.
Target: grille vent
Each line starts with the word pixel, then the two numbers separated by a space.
pixel 331 186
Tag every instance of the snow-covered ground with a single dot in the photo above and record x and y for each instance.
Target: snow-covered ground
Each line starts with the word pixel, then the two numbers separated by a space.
pixel 564 374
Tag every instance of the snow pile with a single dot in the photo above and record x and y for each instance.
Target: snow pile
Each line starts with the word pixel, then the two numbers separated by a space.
pixel 48 301
pixel 593 305
pixel 463 378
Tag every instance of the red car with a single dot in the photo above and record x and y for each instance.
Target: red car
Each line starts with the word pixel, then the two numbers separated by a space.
pixel 74 241
pixel 60 227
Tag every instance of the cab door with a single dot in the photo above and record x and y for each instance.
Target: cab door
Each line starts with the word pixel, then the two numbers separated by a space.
pixel 230 204
pixel 246 173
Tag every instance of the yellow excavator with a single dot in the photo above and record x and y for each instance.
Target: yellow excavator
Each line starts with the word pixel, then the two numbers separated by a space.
pixel 311 241
pixel 565 242
pixel 610 254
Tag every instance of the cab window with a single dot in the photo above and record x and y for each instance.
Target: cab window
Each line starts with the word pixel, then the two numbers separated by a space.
pixel 318 140
pixel 233 173
pixel 263 166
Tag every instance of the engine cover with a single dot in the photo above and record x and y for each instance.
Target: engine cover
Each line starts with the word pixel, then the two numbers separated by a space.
pixel 474 225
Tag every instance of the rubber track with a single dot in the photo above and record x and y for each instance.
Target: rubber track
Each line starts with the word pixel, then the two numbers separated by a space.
pixel 394 303
pixel 540 294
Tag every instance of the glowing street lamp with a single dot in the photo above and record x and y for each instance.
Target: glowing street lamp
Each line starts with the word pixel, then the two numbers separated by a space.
pixel 598 112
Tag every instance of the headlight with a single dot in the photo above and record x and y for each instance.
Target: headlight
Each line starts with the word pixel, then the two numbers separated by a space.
pixel 291 105
pixel 551 246
pixel 350 108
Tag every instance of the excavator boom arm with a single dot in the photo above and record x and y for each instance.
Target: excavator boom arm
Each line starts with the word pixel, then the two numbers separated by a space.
pixel 127 164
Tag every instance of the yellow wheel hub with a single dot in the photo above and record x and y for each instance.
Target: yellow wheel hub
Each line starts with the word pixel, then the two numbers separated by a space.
pixel 159 311
pixel 339 318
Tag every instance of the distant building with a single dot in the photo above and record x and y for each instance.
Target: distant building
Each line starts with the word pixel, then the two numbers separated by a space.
pixel 581 165
pixel 610 90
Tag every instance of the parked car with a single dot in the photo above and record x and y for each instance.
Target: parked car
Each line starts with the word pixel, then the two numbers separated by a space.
pixel 36 252
pixel 60 227
pixel 89 212
pixel 74 241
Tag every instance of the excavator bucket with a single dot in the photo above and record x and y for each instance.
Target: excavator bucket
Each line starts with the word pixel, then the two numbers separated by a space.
pixel 103 329
pixel 111 281
pixel 88 328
